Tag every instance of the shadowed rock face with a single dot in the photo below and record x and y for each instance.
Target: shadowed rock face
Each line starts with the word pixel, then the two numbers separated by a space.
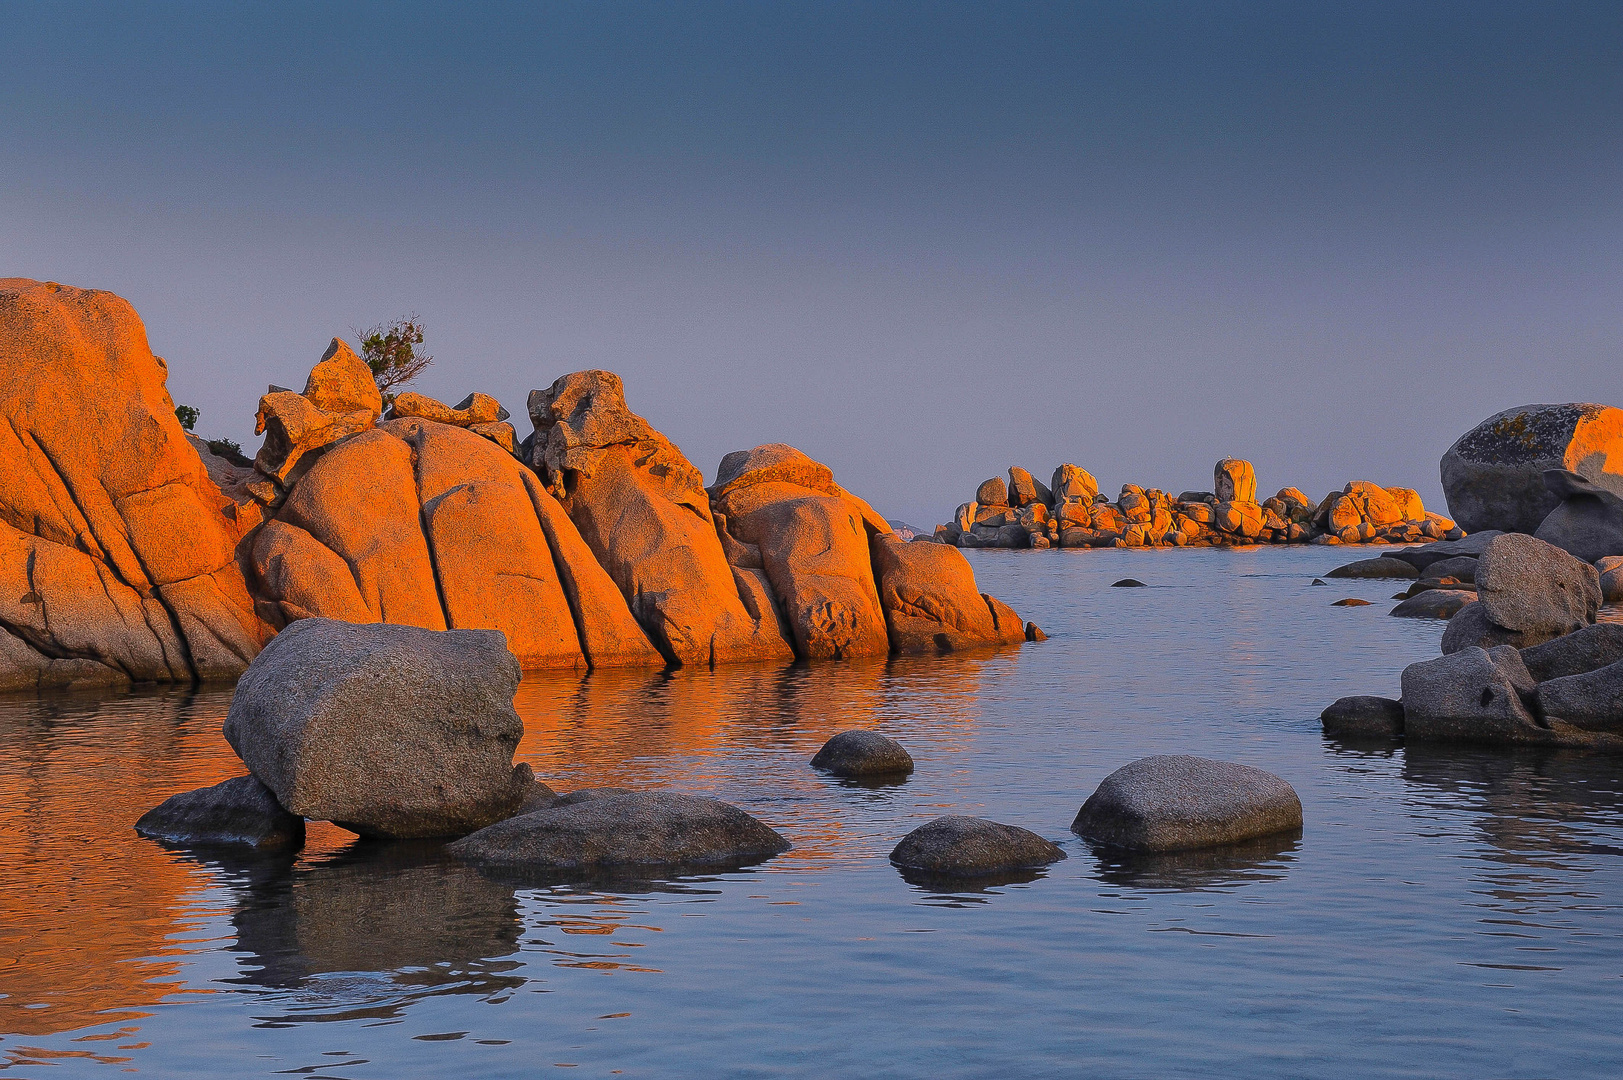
pixel 642 509
pixel 1493 475
pixel 1588 523
pixel 236 811
pixel 116 550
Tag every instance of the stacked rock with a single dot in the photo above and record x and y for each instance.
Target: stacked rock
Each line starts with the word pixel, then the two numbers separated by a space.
pixel 1072 513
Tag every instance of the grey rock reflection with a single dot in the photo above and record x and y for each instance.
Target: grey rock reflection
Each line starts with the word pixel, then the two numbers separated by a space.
pixel 1266 858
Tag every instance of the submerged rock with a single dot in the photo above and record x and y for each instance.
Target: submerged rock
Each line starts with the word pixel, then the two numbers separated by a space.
pixel 1178 802
pixel 969 847
pixel 659 830
pixel 863 753
pixel 1128 583
pixel 236 811
pixel 388 731
pixel 1493 475
pixel 1363 717
pixel 1434 604
pixel 1351 601
pixel 1383 567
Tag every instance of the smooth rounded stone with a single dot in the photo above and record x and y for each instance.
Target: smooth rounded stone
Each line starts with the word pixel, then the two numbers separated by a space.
pixel 863 753
pixel 388 731
pixel 1493 475
pixel 1351 601
pixel 970 847
pixel 1588 523
pixel 236 811
pixel 581 795
pixel 1363 717
pixel 992 492
pixel 1591 701
pixel 1585 650
pixel 1383 567
pixel 1458 567
pixel 634 831
pixel 1128 583
pixel 1526 584
pixel 1434 604
pixel 1470 627
pixel 1476 695
pixel 1178 802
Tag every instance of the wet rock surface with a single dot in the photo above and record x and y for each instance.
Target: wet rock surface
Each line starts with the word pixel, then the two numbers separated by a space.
pixel 959 846
pixel 863 753
pixel 1179 802
pixel 640 831
pixel 236 811
pixel 389 731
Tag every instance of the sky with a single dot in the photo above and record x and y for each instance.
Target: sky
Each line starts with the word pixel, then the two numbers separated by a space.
pixel 920 242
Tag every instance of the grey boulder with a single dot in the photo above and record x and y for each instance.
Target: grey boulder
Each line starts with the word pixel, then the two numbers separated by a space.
pixel 1586 650
pixel 863 753
pixel 1434 604
pixel 1474 695
pixel 1383 567
pixel 1588 524
pixel 1470 627
pixel 1458 567
pixel 1526 584
pixel 1363 718
pixel 1493 475
pixel 958 846
pixel 1179 803
pixel 388 731
pixel 1471 546
pixel 236 811
pixel 1591 701
pixel 635 831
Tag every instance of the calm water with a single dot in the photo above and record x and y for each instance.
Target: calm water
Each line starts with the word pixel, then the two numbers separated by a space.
pixel 1445 912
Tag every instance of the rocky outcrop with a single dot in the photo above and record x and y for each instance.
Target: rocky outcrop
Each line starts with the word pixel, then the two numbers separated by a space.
pixel 1588 522
pixel 863 754
pixel 1074 514
pixel 642 509
pixel 117 558
pixel 236 811
pixel 930 603
pixel 631 832
pixel 388 731
pixel 958 846
pixel 1180 803
pixel 1493 475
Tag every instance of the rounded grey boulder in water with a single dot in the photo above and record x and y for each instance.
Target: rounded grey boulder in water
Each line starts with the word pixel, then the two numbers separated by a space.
pixel 971 847
pixel 236 811
pixel 1363 717
pixel 863 753
pixel 1383 567
pixel 638 830
pixel 1178 803
pixel 1434 604
pixel 388 731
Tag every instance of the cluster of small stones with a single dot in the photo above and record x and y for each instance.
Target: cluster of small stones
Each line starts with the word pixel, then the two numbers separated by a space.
pixel 1071 513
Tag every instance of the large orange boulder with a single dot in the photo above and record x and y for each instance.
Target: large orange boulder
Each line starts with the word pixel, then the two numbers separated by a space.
pixel 642 509
pixel 930 600
pixel 426 524
pixel 117 554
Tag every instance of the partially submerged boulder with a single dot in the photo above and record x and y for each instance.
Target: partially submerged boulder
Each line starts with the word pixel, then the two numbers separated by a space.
pixel 659 831
pixel 1179 802
pixel 862 754
pixel 928 595
pixel 642 510
pixel 1383 567
pixel 236 811
pixel 1493 475
pixel 1591 701
pixel 1434 604
pixel 116 549
pixel 1363 717
pixel 1473 694
pixel 388 731
pixel 958 846
pixel 1588 522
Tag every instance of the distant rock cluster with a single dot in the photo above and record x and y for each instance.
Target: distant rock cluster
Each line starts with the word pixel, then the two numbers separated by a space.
pixel 1070 512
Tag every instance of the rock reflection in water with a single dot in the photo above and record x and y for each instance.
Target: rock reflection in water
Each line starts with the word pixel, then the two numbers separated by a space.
pixel 404 912
pixel 1266 858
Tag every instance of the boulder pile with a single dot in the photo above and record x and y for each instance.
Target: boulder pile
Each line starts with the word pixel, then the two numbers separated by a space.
pixel 134 553
pixel 1070 512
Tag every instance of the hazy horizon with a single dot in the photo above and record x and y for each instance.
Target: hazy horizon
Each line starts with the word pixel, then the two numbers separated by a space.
pixel 922 244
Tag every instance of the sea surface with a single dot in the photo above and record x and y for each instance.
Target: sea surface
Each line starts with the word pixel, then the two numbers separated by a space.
pixel 1446 911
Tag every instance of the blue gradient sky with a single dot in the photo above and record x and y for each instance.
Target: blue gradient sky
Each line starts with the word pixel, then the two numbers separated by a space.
pixel 920 242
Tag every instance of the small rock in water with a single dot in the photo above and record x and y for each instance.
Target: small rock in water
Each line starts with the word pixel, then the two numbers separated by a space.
pixel 1433 604
pixel 655 830
pixel 1178 802
pixel 1351 601
pixel 1383 567
pixel 1035 632
pixel 970 846
pixel 1128 583
pixel 236 811
pixel 1363 717
pixel 863 753
pixel 1319 581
